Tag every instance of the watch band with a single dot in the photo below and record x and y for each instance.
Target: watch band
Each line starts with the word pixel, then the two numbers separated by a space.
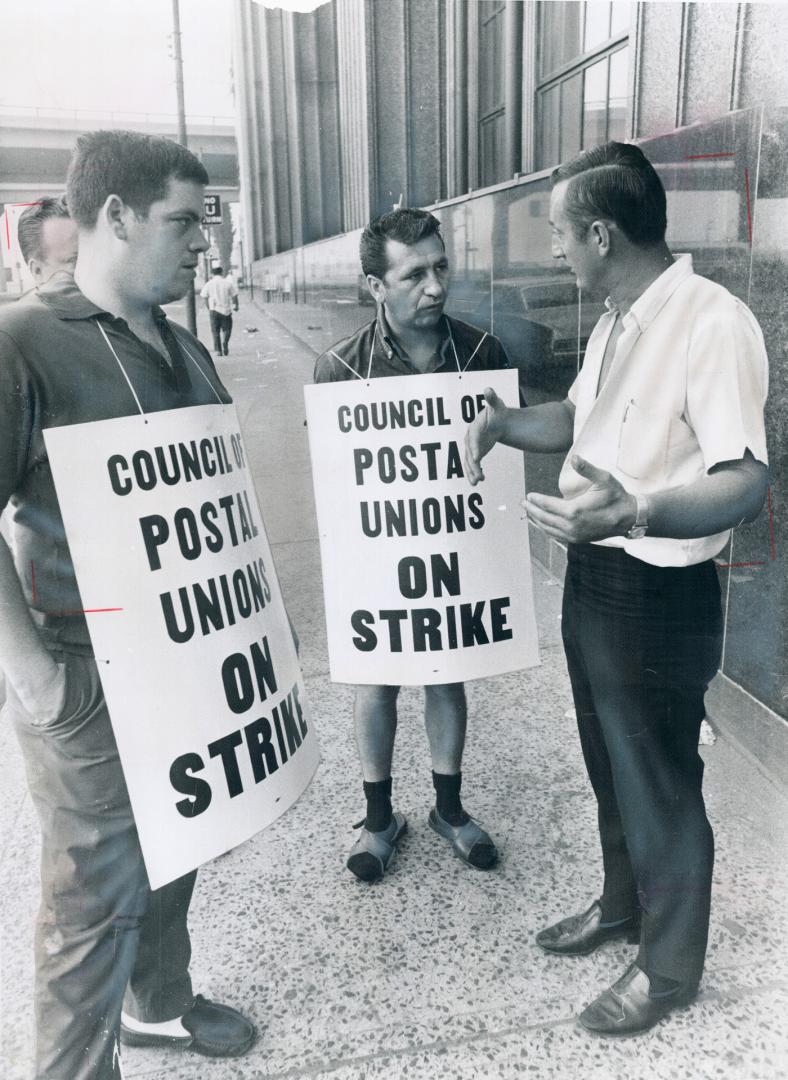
pixel 639 527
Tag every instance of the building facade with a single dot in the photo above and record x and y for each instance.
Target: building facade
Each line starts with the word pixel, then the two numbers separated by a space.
pixel 465 106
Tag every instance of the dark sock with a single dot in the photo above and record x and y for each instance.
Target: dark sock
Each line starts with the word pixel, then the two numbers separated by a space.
pixel 660 987
pixel 447 798
pixel 378 796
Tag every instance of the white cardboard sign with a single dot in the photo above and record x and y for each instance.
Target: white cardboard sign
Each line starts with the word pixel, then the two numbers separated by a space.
pixel 186 617
pixel 426 578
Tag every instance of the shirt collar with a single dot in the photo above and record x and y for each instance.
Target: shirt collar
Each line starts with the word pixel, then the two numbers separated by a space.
pixel 649 304
pixel 64 298
pixel 393 347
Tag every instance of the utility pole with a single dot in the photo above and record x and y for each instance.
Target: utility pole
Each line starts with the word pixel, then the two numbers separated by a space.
pixel 191 308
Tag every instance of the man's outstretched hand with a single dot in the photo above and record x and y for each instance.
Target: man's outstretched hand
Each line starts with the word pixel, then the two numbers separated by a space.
pixel 482 434
pixel 605 509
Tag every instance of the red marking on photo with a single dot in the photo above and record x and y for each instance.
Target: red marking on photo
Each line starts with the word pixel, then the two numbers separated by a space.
pixel 700 157
pixel 7 226
pixel 737 565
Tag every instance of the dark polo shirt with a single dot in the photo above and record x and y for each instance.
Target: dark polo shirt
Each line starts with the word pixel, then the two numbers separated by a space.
pixel 350 357
pixel 56 369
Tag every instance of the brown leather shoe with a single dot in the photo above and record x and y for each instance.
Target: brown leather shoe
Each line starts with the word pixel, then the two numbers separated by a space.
pixel 579 935
pixel 627 1009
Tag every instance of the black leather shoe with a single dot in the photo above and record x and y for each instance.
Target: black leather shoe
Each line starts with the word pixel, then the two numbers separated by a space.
pixel 214 1030
pixel 579 935
pixel 626 1008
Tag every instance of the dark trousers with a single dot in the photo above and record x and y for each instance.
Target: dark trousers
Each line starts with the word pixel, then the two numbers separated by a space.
pixel 221 328
pixel 101 932
pixel 642 643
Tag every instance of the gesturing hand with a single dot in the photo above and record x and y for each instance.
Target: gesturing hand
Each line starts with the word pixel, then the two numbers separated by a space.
pixel 605 509
pixel 482 434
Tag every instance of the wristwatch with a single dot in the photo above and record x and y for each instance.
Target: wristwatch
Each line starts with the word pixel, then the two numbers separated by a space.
pixel 639 527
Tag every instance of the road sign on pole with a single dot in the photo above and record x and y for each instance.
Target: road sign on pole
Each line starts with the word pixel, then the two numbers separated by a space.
pixel 212 209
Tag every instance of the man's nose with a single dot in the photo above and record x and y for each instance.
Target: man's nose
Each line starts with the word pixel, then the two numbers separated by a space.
pixel 199 241
pixel 556 249
pixel 434 286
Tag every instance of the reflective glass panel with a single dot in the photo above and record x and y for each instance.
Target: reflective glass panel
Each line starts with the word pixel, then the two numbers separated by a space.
pixel 597 24
pixel 595 104
pixel 617 127
pixel 571 116
pixel 560 34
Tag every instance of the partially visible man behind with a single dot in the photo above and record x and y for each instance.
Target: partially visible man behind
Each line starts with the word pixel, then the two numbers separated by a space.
pixel 91 347
pixel 47 238
pixel 667 452
pixel 221 298
pixel 407 271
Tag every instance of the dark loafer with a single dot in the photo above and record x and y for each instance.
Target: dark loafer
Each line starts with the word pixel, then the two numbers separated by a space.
pixel 579 935
pixel 470 842
pixel 372 853
pixel 626 1008
pixel 214 1030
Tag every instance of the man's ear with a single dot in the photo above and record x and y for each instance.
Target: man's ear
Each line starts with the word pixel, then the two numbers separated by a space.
pixel 377 288
pixel 601 235
pixel 36 269
pixel 115 213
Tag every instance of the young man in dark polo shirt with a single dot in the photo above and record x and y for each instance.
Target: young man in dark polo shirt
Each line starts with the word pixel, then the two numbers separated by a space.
pixel 85 348
pixel 407 271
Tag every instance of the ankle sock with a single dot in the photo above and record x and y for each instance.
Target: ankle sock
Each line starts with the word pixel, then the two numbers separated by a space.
pixel 378 796
pixel 447 798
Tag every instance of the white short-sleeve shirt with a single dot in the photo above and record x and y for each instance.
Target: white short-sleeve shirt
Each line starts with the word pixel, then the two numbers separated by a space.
pixel 220 293
pixel 685 391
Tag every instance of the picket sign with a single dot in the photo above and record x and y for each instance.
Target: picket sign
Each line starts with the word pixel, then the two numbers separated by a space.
pixel 187 622
pixel 426 579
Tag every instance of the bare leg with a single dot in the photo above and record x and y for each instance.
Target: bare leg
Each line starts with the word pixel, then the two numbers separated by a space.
pixel 375 716
pixel 445 713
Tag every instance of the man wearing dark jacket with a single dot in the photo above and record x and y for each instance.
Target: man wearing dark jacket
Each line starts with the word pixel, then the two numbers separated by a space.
pixel 95 347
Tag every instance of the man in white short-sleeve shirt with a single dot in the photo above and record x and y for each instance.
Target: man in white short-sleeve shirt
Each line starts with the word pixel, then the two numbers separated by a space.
pixel 667 452
pixel 221 298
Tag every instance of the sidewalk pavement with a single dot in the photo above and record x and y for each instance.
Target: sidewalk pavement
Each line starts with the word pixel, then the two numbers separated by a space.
pixel 432 973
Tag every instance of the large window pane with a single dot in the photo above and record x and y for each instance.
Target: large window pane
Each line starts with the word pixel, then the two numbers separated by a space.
pixel 491 67
pixel 493 150
pixel 560 34
pixel 595 105
pixel 549 103
pixel 597 24
pixel 620 16
pixel 619 88
pixel 571 116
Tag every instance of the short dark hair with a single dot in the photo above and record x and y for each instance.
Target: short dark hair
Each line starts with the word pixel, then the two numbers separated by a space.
pixel 217 270
pixel 614 181
pixel 405 224
pixel 31 224
pixel 133 166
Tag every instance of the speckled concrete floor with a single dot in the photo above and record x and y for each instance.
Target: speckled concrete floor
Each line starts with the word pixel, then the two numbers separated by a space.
pixel 432 973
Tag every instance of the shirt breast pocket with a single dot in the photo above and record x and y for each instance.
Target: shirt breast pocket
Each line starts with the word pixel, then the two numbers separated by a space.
pixel 643 442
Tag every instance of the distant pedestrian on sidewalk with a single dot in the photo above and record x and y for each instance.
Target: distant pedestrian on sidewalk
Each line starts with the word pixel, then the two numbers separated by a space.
pixel 221 298
pixel 407 271
pixel 666 453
